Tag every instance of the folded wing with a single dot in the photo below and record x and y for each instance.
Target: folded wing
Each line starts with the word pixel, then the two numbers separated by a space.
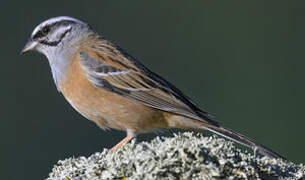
pixel 139 84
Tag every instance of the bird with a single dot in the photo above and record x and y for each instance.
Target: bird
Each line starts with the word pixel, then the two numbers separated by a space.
pixel 116 91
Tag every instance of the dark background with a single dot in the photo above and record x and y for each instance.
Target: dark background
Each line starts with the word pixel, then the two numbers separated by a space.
pixel 242 61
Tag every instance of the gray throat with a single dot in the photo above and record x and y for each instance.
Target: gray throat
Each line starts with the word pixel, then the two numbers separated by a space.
pixel 59 66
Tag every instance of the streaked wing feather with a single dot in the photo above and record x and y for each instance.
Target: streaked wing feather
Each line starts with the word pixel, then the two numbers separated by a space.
pixel 136 86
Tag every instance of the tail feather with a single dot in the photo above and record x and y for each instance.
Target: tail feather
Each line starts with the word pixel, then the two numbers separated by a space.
pixel 241 139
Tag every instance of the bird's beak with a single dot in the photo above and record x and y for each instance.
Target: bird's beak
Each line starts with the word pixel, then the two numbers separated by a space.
pixel 30 45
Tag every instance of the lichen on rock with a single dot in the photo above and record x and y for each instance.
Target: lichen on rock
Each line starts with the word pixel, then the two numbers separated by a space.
pixel 184 156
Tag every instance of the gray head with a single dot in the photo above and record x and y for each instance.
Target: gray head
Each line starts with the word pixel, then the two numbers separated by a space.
pixel 55 34
pixel 54 38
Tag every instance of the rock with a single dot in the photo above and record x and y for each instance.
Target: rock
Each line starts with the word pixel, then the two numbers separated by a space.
pixel 184 156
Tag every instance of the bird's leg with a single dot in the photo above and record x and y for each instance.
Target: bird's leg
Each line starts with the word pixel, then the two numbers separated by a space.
pixel 121 143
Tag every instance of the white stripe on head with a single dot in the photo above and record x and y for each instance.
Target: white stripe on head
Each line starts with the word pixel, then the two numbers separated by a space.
pixel 54 20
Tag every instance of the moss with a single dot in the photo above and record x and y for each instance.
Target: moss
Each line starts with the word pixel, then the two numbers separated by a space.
pixel 184 156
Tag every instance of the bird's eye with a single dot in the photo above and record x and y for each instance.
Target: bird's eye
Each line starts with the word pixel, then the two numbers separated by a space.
pixel 45 30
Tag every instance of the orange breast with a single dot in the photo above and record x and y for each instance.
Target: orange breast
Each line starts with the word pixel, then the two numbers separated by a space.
pixel 105 108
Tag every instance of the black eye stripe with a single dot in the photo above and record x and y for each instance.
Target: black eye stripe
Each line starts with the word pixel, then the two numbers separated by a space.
pixel 46 29
pixel 43 32
pixel 39 34
pixel 54 43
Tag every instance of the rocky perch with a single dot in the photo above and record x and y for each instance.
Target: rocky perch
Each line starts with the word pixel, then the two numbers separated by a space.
pixel 184 156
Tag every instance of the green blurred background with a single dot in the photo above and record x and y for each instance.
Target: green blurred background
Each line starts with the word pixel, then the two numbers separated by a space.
pixel 242 61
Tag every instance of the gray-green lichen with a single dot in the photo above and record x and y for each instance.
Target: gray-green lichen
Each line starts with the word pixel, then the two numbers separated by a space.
pixel 184 156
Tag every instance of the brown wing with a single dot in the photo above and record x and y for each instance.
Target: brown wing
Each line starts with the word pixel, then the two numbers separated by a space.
pixel 132 80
